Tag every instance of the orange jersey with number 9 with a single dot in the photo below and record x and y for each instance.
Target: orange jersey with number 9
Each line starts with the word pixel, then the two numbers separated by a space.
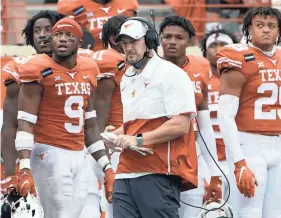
pixel 61 115
pixel 260 100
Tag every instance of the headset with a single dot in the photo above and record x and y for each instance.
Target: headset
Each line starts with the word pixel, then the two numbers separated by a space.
pixel 151 37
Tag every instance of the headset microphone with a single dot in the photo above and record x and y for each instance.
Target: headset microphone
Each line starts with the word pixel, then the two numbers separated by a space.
pixel 153 15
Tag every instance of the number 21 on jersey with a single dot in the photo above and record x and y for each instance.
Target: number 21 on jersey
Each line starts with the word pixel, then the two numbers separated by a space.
pixel 261 103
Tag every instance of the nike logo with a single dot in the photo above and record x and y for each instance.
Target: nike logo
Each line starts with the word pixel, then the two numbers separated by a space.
pixel 196 75
pixel 85 77
pixel 120 11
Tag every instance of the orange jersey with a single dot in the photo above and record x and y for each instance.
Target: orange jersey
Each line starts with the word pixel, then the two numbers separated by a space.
pixel 213 101
pixel 64 100
pixel 111 64
pixel 92 15
pixel 260 100
pixel 198 69
pixel 10 70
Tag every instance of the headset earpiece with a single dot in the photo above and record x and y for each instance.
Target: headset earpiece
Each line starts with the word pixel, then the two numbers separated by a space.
pixel 151 37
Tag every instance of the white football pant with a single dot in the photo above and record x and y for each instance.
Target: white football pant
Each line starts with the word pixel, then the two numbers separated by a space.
pixel 61 178
pixel 263 157
pixel 91 208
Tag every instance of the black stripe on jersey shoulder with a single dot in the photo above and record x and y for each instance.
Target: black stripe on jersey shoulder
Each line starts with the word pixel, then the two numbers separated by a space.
pixel 47 72
pixel 121 65
pixel 249 57
pixel 79 10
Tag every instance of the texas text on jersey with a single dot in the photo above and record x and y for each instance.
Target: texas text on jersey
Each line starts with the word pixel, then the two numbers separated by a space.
pixel 93 15
pixel 260 98
pixel 62 108
pixel 112 65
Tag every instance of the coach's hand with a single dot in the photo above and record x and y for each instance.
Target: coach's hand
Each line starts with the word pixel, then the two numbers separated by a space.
pixel 214 192
pixel 109 141
pixel 245 179
pixel 8 183
pixel 109 179
pixel 26 183
pixel 130 142
pixel 126 141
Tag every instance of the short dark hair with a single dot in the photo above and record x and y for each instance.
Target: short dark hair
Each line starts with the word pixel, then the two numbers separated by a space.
pixel 112 28
pixel 174 20
pixel 264 11
pixel 53 16
pixel 202 44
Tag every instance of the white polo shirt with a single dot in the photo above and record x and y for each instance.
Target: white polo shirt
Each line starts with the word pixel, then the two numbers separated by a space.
pixel 162 89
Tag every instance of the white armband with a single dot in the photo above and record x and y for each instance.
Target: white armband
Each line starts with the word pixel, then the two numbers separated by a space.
pixel 27 117
pixel 90 114
pixel 228 107
pixel 24 140
pixel 104 163
pixel 97 146
pixel 24 163
pixel 207 132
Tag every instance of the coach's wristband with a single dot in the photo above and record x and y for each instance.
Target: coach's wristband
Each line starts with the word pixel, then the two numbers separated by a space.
pixel 139 139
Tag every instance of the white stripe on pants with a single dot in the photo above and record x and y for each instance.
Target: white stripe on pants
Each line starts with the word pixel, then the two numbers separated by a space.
pixel 61 179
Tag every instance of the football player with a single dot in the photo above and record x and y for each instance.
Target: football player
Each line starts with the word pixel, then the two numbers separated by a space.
pixel 108 98
pixel 111 63
pixel 56 112
pixel 92 14
pixel 250 115
pixel 209 45
pixel 37 33
pixel 176 34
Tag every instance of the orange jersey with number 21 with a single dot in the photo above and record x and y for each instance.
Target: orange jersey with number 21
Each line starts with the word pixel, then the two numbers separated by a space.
pixel 260 101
